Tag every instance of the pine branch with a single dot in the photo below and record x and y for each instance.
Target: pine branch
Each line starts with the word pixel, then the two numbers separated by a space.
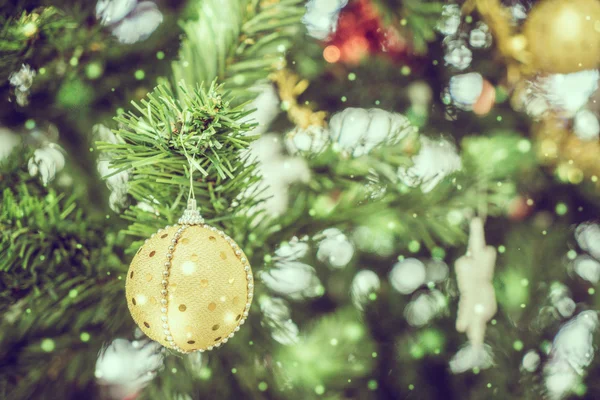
pixel 420 18
pixel 42 232
pixel 237 41
pixel 366 191
pixel 50 338
pixel 163 135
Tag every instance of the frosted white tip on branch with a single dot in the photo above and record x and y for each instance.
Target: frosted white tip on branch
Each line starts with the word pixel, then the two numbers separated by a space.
pixel 321 17
pixel 474 273
pixel 289 276
pixel 22 80
pixel 276 316
pixel 564 94
pixel 364 283
pixel 572 352
pixel 129 20
pixel 356 131
pixel 124 368
pixel 47 162
pixel 117 182
pixel 435 161
pixel 8 141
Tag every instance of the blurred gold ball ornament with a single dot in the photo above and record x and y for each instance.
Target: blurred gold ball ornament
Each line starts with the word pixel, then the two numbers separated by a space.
pixel 563 36
pixel 190 286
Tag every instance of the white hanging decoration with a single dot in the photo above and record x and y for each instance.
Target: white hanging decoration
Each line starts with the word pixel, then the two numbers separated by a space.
pixel 477 304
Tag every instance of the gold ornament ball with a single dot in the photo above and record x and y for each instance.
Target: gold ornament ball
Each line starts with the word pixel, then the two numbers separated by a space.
pixel 563 36
pixel 189 287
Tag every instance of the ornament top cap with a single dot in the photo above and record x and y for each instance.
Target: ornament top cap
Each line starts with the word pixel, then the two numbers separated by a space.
pixel 191 216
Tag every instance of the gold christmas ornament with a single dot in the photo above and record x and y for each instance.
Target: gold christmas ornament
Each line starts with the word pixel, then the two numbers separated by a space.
pixel 563 36
pixel 190 286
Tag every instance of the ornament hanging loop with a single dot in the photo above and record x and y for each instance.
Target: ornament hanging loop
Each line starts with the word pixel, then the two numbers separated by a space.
pixel 191 216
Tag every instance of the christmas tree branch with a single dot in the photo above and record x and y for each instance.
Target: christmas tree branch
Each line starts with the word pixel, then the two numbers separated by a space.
pixel 166 139
pixel 241 51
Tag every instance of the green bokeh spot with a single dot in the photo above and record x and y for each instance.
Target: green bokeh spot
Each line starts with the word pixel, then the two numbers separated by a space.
pixel 372 385
pixel 48 345
pixel 518 345
pixel 580 389
pixel 414 246
pixel 85 337
pixel 74 94
pixel 438 253
pixel 432 340
pixel 139 74
pixel 262 386
pixel 320 389
pixel 416 351
pixel 94 70
pixel 561 209
pixel 205 373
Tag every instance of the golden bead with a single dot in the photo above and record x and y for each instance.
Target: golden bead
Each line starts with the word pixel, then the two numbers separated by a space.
pixel 563 36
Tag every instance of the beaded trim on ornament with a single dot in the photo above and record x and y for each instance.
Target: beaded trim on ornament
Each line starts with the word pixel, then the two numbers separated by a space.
pixel 190 217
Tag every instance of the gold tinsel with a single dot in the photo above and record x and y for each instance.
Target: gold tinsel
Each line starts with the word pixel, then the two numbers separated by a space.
pixel 572 157
pixel 189 287
pixel 290 87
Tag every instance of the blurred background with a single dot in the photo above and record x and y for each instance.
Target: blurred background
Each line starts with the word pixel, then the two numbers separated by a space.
pixel 414 184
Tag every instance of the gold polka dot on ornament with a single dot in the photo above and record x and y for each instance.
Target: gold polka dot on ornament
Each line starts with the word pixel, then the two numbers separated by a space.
pixel 213 283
